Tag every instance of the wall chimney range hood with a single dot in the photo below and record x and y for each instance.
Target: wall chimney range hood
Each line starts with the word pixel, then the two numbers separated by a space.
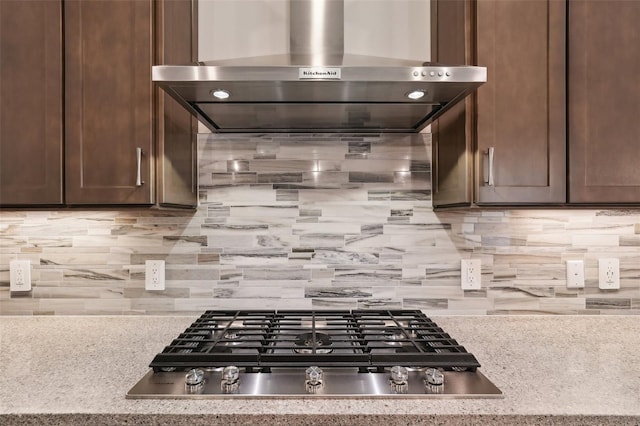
pixel 317 87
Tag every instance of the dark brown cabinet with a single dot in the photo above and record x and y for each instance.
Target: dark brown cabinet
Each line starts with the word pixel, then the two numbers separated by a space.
pixel 108 102
pixel 176 128
pixel 520 111
pixel 511 133
pixel 452 134
pixel 557 121
pixel 122 137
pixel 31 102
pixel 604 101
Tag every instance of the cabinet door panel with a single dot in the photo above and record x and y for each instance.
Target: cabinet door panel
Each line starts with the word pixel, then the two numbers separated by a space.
pixel 521 108
pixel 108 103
pixel 30 102
pixel 177 129
pixel 604 102
pixel 452 134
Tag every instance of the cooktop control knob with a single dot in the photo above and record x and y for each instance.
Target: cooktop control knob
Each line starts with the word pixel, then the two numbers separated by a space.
pixel 230 379
pixel 399 380
pixel 434 380
pixel 194 381
pixel 313 382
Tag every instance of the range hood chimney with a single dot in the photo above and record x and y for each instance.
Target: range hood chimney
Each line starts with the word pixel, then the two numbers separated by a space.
pixel 316 32
pixel 317 87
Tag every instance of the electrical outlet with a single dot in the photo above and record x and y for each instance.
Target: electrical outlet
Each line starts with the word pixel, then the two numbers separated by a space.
pixel 154 275
pixel 20 275
pixel 575 274
pixel 471 274
pixel 609 274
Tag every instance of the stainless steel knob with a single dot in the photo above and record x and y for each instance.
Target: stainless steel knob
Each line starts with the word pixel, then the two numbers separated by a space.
pixel 230 373
pixel 314 374
pixel 399 379
pixel 434 380
pixel 230 379
pixel 399 374
pixel 194 381
pixel 314 379
pixel 433 376
pixel 194 377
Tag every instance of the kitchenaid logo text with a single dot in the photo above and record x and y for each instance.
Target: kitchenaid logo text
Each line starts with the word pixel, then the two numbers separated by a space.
pixel 319 73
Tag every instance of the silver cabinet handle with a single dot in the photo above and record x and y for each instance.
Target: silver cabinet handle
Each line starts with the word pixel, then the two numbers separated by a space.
pixel 139 181
pixel 490 181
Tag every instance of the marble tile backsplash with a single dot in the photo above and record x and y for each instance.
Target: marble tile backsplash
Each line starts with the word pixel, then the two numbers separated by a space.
pixel 317 222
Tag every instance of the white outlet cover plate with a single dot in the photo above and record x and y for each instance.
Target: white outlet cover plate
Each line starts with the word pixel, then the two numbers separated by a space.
pixel 20 275
pixel 471 274
pixel 575 273
pixel 154 275
pixel 608 274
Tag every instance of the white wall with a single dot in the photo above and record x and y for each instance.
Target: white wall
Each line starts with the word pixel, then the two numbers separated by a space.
pixel 388 28
pixel 244 28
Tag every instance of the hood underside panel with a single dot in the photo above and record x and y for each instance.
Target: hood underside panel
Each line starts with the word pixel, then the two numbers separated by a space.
pixel 326 117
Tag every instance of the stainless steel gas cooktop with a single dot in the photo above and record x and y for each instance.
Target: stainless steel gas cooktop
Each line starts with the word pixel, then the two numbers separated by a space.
pixel 253 354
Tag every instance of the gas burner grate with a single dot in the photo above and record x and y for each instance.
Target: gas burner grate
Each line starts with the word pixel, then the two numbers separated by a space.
pixel 261 340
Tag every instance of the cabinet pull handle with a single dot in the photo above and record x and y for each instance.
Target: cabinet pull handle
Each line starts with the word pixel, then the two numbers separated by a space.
pixel 139 181
pixel 490 181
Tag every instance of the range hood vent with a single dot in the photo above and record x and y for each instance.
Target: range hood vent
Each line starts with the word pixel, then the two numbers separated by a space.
pixel 317 87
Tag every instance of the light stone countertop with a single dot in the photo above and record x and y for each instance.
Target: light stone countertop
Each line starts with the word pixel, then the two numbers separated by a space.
pixel 551 369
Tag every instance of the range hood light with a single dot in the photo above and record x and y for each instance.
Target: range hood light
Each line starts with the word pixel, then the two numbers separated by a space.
pixel 220 93
pixel 415 94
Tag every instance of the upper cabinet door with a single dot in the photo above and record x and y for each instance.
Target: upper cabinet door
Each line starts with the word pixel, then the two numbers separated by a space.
pixel 521 110
pixel 30 102
pixel 176 44
pixel 108 102
pixel 452 133
pixel 604 101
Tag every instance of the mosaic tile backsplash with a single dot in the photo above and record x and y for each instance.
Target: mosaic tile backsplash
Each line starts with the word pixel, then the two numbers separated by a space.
pixel 317 222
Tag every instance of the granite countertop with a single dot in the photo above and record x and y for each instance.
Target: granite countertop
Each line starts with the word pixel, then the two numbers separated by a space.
pixel 551 369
